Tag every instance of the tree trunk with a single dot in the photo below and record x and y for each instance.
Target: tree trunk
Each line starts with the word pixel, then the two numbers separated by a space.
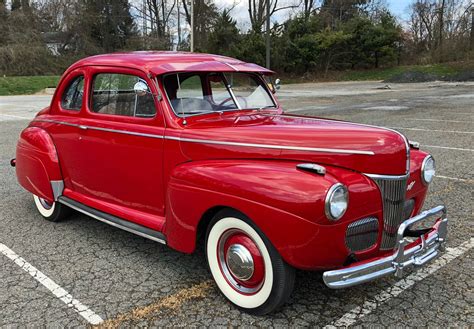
pixel 472 27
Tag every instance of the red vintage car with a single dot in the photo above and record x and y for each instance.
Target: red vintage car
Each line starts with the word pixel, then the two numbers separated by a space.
pixel 194 149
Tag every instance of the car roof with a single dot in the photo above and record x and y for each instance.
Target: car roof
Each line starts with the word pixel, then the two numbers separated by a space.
pixel 161 62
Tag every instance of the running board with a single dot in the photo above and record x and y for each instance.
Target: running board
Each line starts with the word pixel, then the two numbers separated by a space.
pixel 114 221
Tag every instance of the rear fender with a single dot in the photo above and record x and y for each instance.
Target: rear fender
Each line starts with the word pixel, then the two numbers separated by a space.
pixel 37 164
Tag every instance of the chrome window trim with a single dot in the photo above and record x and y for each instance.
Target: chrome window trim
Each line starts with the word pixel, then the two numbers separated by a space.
pixel 231 92
pixel 215 142
pixel 92 92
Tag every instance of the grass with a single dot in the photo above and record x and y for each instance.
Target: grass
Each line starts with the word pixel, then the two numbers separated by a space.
pixel 445 69
pixel 383 74
pixel 26 85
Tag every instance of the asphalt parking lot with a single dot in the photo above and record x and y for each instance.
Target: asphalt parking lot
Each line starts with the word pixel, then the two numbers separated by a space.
pixel 103 273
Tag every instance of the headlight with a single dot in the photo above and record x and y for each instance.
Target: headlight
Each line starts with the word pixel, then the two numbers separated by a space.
pixel 428 170
pixel 337 200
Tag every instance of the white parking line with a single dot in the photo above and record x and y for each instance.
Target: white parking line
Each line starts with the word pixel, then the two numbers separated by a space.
pixel 431 130
pixel 55 289
pixel 456 179
pixel 448 148
pixel 15 116
pixel 357 313
pixel 439 120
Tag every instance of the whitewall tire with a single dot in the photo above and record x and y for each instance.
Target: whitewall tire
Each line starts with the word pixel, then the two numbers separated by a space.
pixel 246 267
pixel 52 211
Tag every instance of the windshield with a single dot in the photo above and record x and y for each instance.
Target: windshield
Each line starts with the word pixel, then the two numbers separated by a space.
pixel 193 93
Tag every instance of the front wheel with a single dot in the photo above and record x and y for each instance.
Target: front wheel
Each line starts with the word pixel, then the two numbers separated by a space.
pixel 248 270
pixel 52 211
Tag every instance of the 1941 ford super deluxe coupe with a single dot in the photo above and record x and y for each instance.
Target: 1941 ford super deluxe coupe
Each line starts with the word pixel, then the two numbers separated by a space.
pixel 188 149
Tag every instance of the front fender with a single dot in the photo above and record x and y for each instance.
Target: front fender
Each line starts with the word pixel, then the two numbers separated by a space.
pixel 287 204
pixel 37 162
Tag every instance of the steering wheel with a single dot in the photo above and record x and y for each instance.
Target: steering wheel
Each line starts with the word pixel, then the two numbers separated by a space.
pixel 240 99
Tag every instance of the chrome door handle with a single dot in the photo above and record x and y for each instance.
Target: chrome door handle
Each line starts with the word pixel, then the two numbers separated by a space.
pixel 82 127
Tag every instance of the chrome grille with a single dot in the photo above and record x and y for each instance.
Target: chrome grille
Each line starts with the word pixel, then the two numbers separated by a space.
pixel 393 191
pixel 362 234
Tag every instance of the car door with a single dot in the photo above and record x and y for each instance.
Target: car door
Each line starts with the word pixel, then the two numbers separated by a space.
pixel 121 149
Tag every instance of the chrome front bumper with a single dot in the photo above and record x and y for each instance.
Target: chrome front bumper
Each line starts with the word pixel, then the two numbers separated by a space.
pixel 429 247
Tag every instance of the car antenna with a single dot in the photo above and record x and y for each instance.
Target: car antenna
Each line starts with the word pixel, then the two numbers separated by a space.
pixel 181 102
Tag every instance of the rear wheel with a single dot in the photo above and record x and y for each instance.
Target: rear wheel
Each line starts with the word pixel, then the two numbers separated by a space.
pixel 52 211
pixel 248 270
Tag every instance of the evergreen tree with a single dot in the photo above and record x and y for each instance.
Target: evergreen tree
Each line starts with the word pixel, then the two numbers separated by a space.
pixel 111 24
pixel 224 39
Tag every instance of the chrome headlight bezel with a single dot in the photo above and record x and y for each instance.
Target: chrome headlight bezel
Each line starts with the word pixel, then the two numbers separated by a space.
pixel 336 188
pixel 425 166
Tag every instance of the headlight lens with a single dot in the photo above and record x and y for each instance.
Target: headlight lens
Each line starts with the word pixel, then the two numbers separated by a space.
pixel 428 169
pixel 337 201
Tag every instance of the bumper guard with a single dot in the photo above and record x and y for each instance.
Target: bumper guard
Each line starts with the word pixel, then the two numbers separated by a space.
pixel 428 248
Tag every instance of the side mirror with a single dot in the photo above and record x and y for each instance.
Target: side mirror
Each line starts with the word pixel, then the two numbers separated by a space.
pixel 277 84
pixel 140 88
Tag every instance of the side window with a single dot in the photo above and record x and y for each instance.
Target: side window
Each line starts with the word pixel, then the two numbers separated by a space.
pixel 72 96
pixel 114 94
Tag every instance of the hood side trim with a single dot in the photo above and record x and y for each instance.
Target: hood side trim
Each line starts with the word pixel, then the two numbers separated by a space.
pixel 215 142
pixel 405 139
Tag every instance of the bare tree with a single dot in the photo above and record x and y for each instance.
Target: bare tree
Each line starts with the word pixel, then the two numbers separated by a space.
pixel 205 14
pixel 157 15
pixel 258 13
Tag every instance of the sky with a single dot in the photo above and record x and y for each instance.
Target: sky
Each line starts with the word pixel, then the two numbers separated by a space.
pixel 399 7
pixel 240 13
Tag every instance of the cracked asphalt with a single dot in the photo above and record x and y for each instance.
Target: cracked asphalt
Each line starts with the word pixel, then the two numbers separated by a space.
pixel 130 281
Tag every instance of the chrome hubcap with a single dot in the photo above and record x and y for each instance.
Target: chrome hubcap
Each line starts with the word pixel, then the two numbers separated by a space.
pixel 46 205
pixel 240 262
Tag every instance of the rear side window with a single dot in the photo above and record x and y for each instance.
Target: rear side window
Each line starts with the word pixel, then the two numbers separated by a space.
pixel 114 94
pixel 72 96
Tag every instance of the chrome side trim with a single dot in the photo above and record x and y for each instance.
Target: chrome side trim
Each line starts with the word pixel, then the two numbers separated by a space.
pixel 429 247
pixel 405 139
pixel 114 221
pixel 269 146
pixel 58 187
pixel 84 127
pixel 209 141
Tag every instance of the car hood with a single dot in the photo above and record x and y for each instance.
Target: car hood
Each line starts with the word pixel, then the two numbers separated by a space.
pixel 362 148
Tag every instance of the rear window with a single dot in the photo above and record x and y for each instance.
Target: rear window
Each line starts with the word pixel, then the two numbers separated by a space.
pixel 72 96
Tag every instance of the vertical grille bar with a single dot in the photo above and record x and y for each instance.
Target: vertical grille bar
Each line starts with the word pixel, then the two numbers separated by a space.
pixel 393 197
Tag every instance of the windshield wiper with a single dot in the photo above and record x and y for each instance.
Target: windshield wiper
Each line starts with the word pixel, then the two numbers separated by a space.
pixel 265 107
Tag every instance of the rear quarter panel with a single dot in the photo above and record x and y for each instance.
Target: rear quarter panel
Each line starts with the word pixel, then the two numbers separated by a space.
pixel 37 162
